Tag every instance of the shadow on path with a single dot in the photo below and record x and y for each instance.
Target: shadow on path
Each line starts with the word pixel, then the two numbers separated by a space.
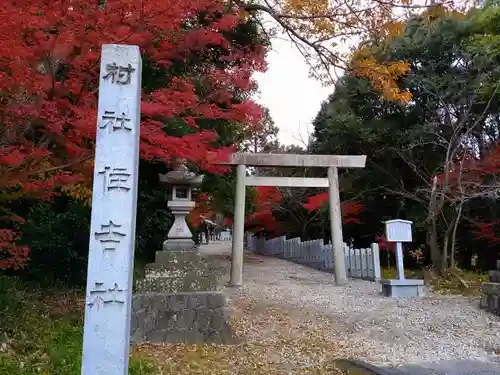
pixel 449 367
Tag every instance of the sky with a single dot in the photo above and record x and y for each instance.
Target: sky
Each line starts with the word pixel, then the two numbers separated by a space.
pixel 292 97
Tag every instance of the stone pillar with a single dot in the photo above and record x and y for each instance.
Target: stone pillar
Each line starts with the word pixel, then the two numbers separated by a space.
pixel 114 205
pixel 239 228
pixel 336 227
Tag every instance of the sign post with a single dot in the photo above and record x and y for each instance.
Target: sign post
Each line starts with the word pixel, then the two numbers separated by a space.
pixel 399 231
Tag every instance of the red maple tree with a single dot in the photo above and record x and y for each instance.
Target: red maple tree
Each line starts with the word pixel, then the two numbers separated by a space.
pixel 488 230
pixel 350 209
pixel 49 75
pixel 471 177
pixel 383 244
pixel 262 217
pixel 204 209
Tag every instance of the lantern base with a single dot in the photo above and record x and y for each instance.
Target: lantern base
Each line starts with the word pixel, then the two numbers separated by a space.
pixel 179 244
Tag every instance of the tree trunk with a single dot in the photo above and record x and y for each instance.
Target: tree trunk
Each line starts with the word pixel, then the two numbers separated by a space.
pixel 447 243
pixel 436 255
pixel 454 236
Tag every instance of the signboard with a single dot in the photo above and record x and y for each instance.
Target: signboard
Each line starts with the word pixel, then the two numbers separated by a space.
pixel 398 230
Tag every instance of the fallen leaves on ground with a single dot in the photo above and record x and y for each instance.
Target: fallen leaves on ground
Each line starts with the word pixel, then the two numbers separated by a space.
pixel 275 342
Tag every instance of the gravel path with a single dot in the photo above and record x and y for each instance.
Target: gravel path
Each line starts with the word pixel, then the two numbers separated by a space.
pixel 381 331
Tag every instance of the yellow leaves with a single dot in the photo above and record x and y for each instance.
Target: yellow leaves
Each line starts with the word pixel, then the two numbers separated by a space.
pixel 296 4
pixel 324 26
pixel 182 359
pixel 79 192
pixel 82 192
pixel 399 68
pixel 311 18
pixel 457 15
pixel 392 29
pixel 384 77
pixel 312 7
pixel 436 12
pixel 362 53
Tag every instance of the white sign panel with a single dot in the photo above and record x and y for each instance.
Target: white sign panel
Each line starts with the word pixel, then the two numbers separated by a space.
pixel 398 230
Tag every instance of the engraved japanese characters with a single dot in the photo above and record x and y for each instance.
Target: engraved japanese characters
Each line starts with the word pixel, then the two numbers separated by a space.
pixel 121 75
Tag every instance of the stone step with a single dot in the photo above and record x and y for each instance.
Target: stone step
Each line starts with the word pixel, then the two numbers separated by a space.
pixel 178 269
pixel 169 257
pixel 188 283
pixel 216 242
pixel 494 276
pixel 491 288
pixel 491 303
pixel 179 301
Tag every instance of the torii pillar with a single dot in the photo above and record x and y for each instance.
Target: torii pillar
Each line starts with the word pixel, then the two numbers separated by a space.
pixel 332 162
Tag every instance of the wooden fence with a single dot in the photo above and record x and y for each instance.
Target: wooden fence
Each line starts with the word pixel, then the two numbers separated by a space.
pixel 360 263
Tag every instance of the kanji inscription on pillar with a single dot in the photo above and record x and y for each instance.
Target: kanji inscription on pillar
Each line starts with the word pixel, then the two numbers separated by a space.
pixel 101 296
pixel 113 121
pixel 121 75
pixel 110 236
pixel 106 335
pixel 115 179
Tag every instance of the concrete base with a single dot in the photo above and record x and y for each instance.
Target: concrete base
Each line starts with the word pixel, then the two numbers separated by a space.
pixel 178 301
pixel 403 288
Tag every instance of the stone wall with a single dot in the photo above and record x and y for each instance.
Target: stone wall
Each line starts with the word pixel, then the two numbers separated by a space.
pixel 190 317
pixel 490 300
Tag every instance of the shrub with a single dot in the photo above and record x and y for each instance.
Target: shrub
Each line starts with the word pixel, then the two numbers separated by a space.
pixel 58 234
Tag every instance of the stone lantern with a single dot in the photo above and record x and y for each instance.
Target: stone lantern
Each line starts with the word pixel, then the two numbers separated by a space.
pixel 182 181
pixel 177 301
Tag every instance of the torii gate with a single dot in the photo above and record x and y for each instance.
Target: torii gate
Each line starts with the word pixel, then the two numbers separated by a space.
pixel 332 162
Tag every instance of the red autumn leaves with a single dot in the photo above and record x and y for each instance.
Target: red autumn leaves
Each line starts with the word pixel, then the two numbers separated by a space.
pixel 350 209
pixel 262 217
pixel 49 121
pixel 269 197
pixel 49 75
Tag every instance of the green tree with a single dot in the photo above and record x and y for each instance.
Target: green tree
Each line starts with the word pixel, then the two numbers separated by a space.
pixel 415 149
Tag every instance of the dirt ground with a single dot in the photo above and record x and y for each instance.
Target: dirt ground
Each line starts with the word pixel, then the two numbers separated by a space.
pixel 274 341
